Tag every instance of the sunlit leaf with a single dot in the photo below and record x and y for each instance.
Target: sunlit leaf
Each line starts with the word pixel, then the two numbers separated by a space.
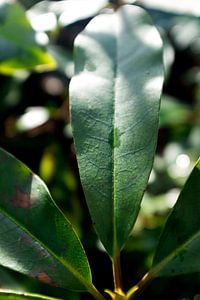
pixel 182 7
pixel 75 10
pixel 18 47
pixel 114 105
pixel 36 239
pixel 67 11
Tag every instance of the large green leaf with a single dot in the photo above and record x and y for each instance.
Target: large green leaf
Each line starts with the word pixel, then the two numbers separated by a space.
pixel 36 239
pixel 18 47
pixel 114 106
pixel 11 295
pixel 178 251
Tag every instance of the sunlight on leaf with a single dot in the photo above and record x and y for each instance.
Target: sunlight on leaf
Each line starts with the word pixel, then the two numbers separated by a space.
pixel 53 255
pixel 18 47
pixel 115 97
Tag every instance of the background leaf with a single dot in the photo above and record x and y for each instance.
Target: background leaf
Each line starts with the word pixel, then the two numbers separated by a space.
pixel 178 251
pixel 183 7
pixel 67 11
pixel 36 239
pixel 11 295
pixel 114 106
pixel 18 47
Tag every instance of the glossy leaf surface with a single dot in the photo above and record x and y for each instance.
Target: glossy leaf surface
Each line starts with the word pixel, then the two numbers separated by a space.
pixel 178 251
pixel 11 295
pixel 18 47
pixel 36 239
pixel 114 106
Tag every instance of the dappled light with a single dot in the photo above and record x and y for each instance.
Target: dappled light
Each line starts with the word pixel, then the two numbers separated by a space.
pixel 43 22
pixel 33 117
pixel 147 35
pixel 102 101
pixel 183 161
pixel 183 6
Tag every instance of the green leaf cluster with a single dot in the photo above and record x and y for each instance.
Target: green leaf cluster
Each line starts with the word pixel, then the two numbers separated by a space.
pixel 19 49
pixel 114 100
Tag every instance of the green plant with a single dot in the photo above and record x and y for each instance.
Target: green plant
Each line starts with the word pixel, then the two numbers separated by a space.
pixel 115 97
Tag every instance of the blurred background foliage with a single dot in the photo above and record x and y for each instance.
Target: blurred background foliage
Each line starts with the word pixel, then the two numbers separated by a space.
pixel 36 64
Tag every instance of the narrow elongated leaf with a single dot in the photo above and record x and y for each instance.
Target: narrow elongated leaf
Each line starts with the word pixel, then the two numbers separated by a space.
pixel 178 251
pixel 12 295
pixel 114 106
pixel 36 239
pixel 18 47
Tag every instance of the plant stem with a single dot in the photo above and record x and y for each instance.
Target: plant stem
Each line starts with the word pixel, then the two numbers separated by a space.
pixel 95 293
pixel 117 274
pixel 139 287
pixel 116 3
pixel 148 277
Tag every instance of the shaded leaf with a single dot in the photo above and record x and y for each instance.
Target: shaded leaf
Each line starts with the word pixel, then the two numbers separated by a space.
pixel 114 106
pixel 12 295
pixel 178 251
pixel 18 47
pixel 36 239
pixel 9 281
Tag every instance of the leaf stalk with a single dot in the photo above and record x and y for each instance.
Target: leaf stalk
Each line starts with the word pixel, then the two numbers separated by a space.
pixel 116 4
pixel 117 275
pixel 95 293
pixel 139 286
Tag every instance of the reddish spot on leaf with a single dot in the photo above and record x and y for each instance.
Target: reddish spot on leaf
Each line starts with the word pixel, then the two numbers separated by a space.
pixel 22 199
pixel 25 238
pixel 43 253
pixel 43 277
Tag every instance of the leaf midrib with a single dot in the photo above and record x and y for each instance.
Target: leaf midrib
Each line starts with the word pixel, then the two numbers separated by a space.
pixel 114 194
pixel 68 266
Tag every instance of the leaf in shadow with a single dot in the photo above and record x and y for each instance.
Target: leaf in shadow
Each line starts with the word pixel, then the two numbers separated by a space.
pixel 178 250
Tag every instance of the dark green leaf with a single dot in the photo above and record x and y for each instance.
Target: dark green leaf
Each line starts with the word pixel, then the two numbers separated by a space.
pixel 178 251
pixel 114 105
pixel 18 47
pixel 9 281
pixel 36 239
pixel 12 295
